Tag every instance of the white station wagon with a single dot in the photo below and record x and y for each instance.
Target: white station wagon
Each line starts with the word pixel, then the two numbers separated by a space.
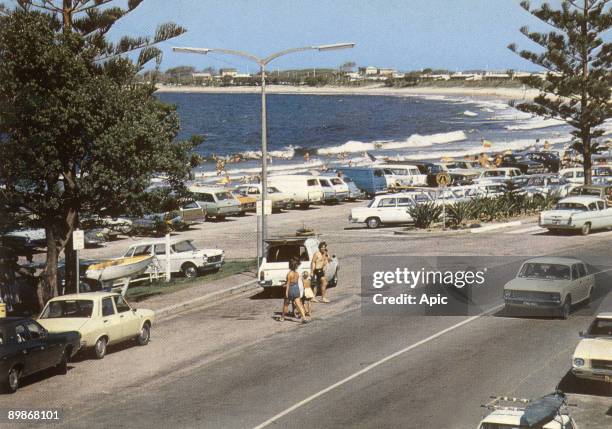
pixel 184 256
pixel 580 213
pixel 388 209
pixel 593 355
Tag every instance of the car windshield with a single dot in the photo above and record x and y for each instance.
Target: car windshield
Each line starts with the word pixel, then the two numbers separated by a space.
pixel 371 203
pixel 284 252
pixel 534 270
pixel 495 173
pixel 221 196
pixel 183 246
pixel 586 191
pixel 336 181
pixel 601 328
pixel 68 309
pixel 571 206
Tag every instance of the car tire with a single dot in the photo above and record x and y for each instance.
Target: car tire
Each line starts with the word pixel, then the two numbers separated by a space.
pixel 566 309
pixel 373 222
pixel 145 335
pixel 11 384
pixel 62 366
pixel 220 217
pixel 189 270
pixel 586 229
pixel 304 206
pixel 100 348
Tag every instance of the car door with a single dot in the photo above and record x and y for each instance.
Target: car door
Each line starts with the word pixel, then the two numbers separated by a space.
pixel 128 320
pixel 49 351
pixel 404 204
pixel 387 210
pixel 31 350
pixel 576 286
pixel 192 212
pixel 159 250
pixel 587 280
pixel 110 320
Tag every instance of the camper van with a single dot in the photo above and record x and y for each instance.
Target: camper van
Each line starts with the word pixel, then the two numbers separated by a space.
pixel 403 175
pixel 301 190
pixel 370 180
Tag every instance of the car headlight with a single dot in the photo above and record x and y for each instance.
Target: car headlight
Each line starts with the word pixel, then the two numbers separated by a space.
pixel 507 293
pixel 578 362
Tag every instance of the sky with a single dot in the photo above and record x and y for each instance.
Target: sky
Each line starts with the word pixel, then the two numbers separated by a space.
pixel 401 34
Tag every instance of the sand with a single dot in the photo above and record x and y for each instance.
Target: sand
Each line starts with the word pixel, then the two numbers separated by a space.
pixel 480 92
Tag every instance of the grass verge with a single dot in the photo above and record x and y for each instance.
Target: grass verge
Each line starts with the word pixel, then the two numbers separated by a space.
pixel 159 287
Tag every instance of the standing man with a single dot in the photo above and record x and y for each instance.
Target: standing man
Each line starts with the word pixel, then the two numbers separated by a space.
pixel 317 271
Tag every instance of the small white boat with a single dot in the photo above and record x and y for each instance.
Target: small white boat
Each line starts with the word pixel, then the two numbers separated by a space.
pixel 469 113
pixel 119 268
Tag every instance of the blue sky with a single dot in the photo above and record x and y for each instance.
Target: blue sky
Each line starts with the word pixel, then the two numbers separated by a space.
pixel 403 34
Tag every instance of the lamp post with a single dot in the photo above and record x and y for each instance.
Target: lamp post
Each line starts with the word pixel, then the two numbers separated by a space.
pixel 263 62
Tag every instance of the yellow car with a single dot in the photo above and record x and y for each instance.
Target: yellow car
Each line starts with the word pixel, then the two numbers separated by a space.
pixel 102 318
pixel 247 204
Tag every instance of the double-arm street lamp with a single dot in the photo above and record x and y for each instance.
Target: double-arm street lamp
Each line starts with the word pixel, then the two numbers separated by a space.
pixel 263 62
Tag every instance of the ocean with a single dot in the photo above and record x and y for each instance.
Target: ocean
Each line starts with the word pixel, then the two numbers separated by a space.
pixel 317 131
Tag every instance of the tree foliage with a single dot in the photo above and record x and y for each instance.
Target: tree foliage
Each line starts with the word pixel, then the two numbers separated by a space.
pixel 78 135
pixel 577 60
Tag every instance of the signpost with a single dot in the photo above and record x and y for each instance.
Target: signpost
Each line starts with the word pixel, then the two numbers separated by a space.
pixel 78 243
pixel 443 179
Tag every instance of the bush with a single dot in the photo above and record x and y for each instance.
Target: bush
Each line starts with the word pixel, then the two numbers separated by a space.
pixel 459 213
pixel 425 214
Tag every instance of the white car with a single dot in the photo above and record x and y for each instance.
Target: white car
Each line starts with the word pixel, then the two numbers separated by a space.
pixel 573 175
pixel 274 266
pixel 507 175
pixel 403 175
pixel 581 213
pixel 278 198
pixel 592 358
pixel 388 209
pixel 184 256
pixel 550 412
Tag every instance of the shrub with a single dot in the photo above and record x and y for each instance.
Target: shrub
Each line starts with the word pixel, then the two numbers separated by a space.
pixel 425 214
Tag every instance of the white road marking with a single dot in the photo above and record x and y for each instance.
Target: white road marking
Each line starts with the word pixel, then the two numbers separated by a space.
pixel 372 366
pixel 530 229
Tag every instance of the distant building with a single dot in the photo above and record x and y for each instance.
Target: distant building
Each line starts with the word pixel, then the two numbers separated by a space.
pixel 386 72
pixel 368 71
pixel 203 76
pixel 228 72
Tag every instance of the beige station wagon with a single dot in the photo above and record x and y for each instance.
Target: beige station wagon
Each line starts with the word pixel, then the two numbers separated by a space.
pixel 549 283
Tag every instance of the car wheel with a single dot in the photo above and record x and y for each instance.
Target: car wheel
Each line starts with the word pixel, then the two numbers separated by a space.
pixel 62 366
pixel 373 222
pixel 566 309
pixel 586 229
pixel 145 335
pixel 100 348
pixel 12 380
pixel 334 281
pixel 190 271
pixel 221 217
pixel 304 206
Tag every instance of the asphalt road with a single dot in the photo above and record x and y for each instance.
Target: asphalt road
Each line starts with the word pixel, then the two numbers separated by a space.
pixel 232 366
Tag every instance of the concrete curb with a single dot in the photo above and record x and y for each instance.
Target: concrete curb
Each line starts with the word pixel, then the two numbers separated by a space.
pixel 208 298
pixel 495 226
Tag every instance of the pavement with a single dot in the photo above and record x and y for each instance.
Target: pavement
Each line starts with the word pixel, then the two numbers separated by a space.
pixel 230 365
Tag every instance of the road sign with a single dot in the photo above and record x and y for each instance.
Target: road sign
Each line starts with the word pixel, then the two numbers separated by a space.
pixel 443 179
pixel 78 239
pixel 267 207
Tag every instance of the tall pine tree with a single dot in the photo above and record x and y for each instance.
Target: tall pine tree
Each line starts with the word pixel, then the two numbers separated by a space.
pixel 576 88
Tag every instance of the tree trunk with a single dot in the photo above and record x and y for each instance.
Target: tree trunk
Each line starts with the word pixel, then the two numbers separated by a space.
pixel 70 268
pixel 587 164
pixel 584 101
pixel 47 289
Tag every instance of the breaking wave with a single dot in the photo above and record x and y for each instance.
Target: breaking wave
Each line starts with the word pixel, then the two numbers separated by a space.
pixel 536 123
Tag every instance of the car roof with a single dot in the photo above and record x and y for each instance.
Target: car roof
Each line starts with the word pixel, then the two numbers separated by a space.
pixel 555 260
pixel 173 240
pixel 605 315
pixel 206 188
pixel 84 295
pixel 505 417
pixel 580 199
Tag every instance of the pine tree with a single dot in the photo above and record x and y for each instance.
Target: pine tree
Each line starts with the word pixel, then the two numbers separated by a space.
pixel 79 135
pixel 576 88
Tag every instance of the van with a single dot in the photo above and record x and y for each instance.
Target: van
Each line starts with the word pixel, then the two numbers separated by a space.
pixel 370 180
pixel 302 190
pixel 403 175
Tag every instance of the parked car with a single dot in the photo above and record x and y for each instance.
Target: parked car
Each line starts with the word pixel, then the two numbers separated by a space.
pixel 581 213
pixel 340 187
pixel 550 160
pixel 549 283
pixel 484 189
pixel 274 266
pixel 509 176
pixel 25 239
pixel 592 358
pixel 102 319
pixel 431 171
pixel 601 191
pixel 548 412
pixel 301 189
pixel 546 184
pixel 247 203
pixel 354 193
pixel 463 177
pixel 217 202
pixel 329 193
pixel 403 175
pixel 464 165
pixel 158 223
pixel 26 348
pixel 279 199
pixel 192 213
pixel 370 180
pixel 602 175
pixel 184 256
pixel 573 175
pixel 385 209
pixel 523 163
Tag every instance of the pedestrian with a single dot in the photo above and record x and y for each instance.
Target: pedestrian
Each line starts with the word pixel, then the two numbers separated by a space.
pixel 308 293
pixel 292 291
pixel 317 271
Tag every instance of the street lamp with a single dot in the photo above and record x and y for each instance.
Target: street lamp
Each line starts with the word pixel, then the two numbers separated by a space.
pixel 263 62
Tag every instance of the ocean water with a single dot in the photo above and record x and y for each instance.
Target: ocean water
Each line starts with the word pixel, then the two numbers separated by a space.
pixel 337 129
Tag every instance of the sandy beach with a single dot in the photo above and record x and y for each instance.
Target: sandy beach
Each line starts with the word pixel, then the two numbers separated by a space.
pixel 476 92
